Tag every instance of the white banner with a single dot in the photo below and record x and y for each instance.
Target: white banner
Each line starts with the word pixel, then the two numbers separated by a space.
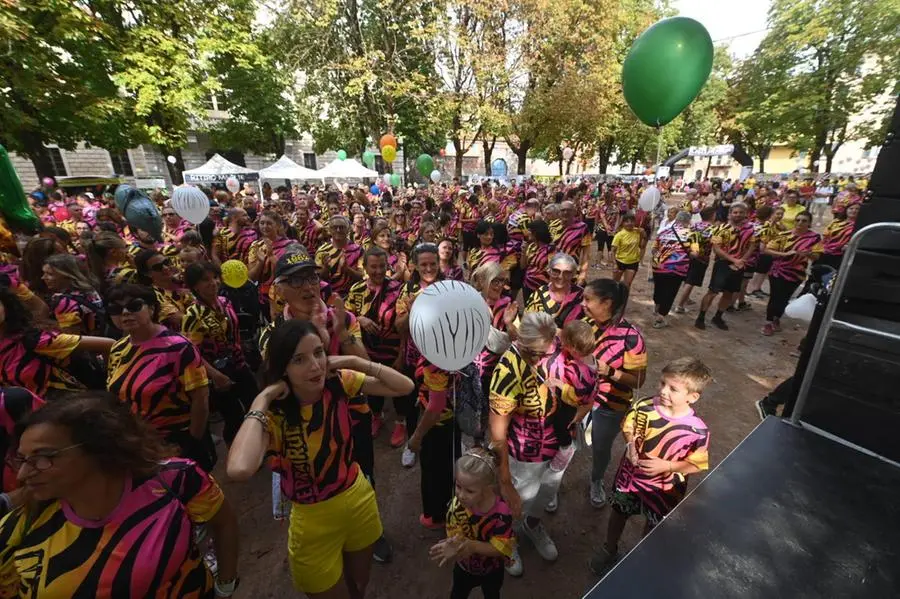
pixel 662 171
pixel 722 150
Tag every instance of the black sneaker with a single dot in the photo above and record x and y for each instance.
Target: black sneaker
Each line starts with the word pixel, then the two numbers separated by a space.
pixel 383 552
pixel 603 561
pixel 720 324
pixel 700 324
pixel 731 309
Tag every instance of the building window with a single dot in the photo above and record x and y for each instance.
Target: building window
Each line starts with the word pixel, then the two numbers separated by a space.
pixel 59 167
pixel 309 160
pixel 121 163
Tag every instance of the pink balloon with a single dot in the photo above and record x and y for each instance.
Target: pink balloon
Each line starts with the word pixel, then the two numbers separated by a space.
pixel 48 181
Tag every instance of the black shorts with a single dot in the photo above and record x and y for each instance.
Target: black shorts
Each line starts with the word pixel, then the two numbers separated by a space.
pixel 724 278
pixel 696 273
pixel 603 238
pixel 470 240
pixel 763 264
pixel 623 266
pixel 630 504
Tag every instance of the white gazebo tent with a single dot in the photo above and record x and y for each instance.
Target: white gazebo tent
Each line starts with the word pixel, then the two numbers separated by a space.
pixel 346 169
pixel 217 170
pixel 285 168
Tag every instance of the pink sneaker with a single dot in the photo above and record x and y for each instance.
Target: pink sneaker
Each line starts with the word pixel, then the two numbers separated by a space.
pixel 398 436
pixel 768 330
pixel 377 424
pixel 430 523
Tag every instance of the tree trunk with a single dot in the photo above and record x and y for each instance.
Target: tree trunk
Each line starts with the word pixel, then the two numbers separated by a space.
pixel 569 164
pixel 488 151
pixel 762 163
pixel 458 163
pixel 40 156
pixel 559 153
pixel 175 170
pixel 522 155
pixel 603 153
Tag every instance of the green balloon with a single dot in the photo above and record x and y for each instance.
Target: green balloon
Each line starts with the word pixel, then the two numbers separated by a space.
pixel 368 158
pixel 342 155
pixel 395 179
pixel 425 164
pixel 666 69
pixel 13 203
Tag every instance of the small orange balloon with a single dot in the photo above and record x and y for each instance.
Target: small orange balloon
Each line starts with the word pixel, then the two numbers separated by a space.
pixel 387 140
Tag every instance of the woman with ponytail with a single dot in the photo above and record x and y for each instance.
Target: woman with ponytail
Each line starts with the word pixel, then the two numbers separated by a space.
pixel 622 364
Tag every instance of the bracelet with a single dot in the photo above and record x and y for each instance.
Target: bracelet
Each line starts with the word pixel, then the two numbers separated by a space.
pixel 259 416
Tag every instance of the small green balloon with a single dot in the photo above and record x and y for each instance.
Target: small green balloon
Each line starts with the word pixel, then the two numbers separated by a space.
pixel 395 179
pixel 424 164
pixel 342 155
pixel 666 69
pixel 368 158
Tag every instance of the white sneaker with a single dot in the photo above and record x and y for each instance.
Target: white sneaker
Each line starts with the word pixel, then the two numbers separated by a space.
pixel 545 546
pixel 514 564
pixel 408 459
pixel 598 495
pixel 553 505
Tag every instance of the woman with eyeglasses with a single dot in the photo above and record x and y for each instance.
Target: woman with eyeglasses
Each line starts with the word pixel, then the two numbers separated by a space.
pixel 211 324
pixel 427 271
pixel 301 426
pixel 491 280
pixel 792 251
pixel 76 305
pixel 173 226
pixel 340 260
pixel 535 258
pixel 265 252
pixel 621 366
pixel 159 272
pixel 111 515
pixel 38 360
pixel 15 404
pixel 159 374
pixel 523 432
pixel 560 297
pixel 399 222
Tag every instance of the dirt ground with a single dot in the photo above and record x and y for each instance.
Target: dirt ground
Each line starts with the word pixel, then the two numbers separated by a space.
pixel 745 365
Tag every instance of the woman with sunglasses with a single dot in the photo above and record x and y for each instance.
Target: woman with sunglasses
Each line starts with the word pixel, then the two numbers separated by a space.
pixel 41 361
pixel 524 434
pixel 76 305
pixel 159 374
pixel 173 227
pixel 491 280
pixel 265 252
pixel 159 272
pixel 792 251
pixel 621 365
pixel 340 260
pixel 301 425
pixel 211 323
pixel 111 515
pixel 404 234
pixel 427 271
pixel 535 257
pixel 560 297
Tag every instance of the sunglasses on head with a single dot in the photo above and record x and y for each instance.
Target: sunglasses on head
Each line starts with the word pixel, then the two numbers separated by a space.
pixel 159 266
pixel 132 306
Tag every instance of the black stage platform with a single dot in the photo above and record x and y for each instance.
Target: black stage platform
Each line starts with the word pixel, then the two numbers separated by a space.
pixel 788 513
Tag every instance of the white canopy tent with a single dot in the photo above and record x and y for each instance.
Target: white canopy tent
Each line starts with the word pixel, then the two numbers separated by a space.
pixel 285 168
pixel 346 169
pixel 217 170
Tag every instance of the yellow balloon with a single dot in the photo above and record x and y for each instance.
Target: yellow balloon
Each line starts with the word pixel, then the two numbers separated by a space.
pixel 234 273
pixel 389 153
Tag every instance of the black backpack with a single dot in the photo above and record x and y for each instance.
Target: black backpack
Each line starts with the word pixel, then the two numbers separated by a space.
pixel 471 405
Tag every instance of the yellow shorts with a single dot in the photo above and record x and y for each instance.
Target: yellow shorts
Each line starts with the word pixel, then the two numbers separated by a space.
pixel 320 533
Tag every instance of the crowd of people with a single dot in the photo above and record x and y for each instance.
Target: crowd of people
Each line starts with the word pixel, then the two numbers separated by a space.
pixel 122 352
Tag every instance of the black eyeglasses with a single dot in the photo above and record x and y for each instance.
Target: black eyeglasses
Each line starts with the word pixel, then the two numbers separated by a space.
pixel 159 266
pixel 300 280
pixel 170 214
pixel 500 282
pixel 40 461
pixel 132 306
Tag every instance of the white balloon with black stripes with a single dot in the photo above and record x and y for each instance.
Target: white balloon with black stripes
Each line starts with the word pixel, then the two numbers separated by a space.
pixel 449 323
